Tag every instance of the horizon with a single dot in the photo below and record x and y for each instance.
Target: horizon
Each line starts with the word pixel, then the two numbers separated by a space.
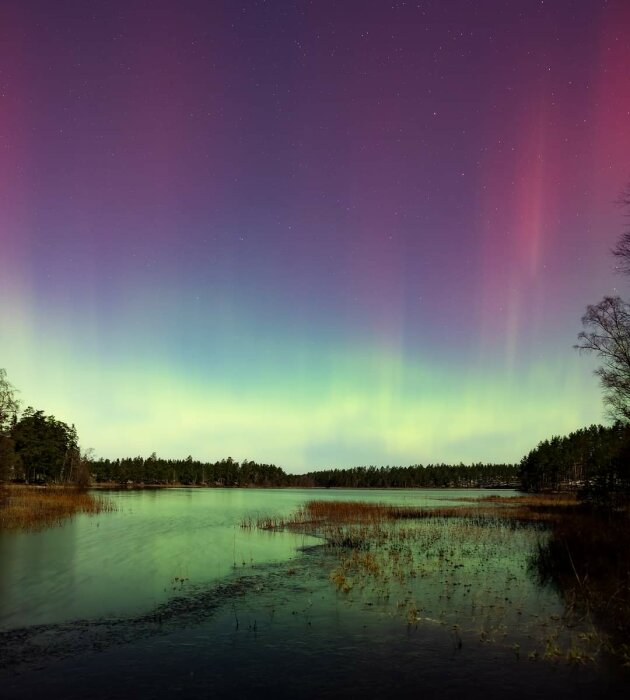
pixel 310 235
pixel 289 472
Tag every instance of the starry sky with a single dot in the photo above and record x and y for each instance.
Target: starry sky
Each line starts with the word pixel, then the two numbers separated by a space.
pixel 313 233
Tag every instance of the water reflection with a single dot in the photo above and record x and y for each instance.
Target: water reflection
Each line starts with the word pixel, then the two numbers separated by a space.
pixel 448 606
pixel 37 568
pixel 152 547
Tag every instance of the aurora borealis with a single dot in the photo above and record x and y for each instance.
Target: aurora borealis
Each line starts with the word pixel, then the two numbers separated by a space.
pixel 310 233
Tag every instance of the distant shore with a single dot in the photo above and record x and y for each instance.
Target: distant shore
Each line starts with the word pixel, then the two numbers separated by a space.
pixel 113 486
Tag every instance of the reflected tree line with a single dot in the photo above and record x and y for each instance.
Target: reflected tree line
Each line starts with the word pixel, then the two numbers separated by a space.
pixel 586 559
pixel 586 554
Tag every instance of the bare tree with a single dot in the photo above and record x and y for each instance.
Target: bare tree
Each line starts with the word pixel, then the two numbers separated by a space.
pixel 8 402
pixel 82 476
pixel 8 411
pixel 622 250
pixel 607 334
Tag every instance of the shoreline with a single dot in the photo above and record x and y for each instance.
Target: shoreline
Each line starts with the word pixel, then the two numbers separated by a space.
pixel 113 486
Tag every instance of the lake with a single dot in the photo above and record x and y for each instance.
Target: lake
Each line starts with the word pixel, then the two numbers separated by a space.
pixel 169 594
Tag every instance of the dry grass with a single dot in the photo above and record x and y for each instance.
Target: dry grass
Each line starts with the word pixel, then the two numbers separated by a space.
pixel 463 566
pixel 587 558
pixel 37 507
pixel 525 508
pixel 318 514
pixel 530 499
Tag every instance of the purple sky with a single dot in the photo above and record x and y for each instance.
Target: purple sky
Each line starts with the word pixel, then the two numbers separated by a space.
pixel 314 233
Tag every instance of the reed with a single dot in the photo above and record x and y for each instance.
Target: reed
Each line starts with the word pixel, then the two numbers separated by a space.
pixel 587 559
pixel 538 499
pixel 530 499
pixel 461 566
pixel 524 509
pixel 37 507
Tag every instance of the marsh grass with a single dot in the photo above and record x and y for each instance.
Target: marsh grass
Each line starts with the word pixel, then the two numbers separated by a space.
pixel 38 507
pixel 467 568
pixel 330 515
pixel 586 558
pixel 544 507
pixel 530 499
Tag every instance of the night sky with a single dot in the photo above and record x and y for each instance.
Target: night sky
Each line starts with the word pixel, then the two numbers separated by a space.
pixel 310 233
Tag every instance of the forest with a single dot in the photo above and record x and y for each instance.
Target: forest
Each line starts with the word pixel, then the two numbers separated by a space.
pixel 37 448
pixel 227 472
pixel 430 476
pixel 594 461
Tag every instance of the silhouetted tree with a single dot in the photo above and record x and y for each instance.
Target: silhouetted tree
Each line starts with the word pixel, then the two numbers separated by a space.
pixel 8 402
pixel 8 413
pixel 8 458
pixel 593 460
pixel 622 250
pixel 47 448
pixel 607 334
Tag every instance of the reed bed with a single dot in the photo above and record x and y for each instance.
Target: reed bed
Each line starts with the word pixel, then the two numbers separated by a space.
pixel 37 507
pixel 587 559
pixel 318 514
pixel 470 568
pixel 559 500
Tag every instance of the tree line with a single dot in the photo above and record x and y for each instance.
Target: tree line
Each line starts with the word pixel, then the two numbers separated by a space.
pixel 430 476
pixel 37 448
pixel 228 472
pixel 155 471
pixel 593 460
pixel 34 447
pixel 598 456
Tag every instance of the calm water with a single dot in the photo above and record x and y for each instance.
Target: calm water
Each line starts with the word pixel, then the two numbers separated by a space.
pixel 168 595
pixel 128 561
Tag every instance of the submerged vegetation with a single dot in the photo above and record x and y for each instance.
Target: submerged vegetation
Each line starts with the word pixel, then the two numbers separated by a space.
pixel 474 568
pixel 28 508
pixel 318 514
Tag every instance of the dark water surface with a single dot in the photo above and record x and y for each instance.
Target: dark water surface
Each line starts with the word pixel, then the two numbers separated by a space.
pixel 168 595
